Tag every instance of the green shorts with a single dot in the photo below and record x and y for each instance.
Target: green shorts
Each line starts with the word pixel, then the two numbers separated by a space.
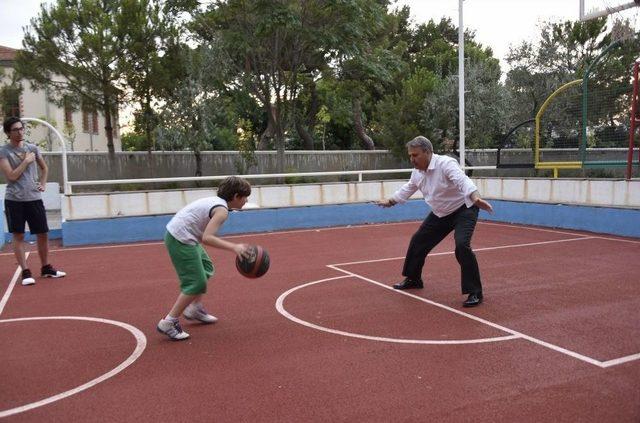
pixel 192 264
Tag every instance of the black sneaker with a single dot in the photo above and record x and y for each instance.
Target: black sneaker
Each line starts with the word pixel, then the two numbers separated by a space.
pixel 49 272
pixel 27 279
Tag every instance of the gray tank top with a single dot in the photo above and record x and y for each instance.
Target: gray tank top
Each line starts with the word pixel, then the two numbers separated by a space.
pixel 25 188
pixel 188 225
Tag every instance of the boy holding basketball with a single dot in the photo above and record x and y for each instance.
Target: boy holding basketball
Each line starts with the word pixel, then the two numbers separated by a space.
pixel 194 225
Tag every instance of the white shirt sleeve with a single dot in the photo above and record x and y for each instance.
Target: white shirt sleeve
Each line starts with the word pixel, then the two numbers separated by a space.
pixel 403 194
pixel 457 176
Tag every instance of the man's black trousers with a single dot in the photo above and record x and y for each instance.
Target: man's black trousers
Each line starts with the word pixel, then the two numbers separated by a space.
pixel 433 230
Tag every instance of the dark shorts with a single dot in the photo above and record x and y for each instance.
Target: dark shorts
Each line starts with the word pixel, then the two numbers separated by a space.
pixel 31 212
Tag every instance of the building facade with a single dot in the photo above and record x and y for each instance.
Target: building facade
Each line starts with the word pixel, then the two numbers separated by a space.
pixel 83 128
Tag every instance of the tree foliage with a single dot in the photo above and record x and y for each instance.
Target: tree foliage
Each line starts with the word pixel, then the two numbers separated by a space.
pixel 74 51
pixel 566 52
pixel 154 50
pixel 334 74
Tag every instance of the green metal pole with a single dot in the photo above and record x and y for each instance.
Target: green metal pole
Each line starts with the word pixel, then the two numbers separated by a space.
pixel 585 79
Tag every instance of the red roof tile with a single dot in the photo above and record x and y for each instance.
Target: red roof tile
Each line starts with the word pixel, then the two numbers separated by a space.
pixel 7 53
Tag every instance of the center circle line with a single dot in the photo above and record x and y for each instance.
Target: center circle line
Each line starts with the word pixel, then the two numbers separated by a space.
pixel 281 309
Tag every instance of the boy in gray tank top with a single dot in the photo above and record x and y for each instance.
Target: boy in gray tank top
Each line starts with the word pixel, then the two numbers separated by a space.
pixel 19 162
pixel 196 224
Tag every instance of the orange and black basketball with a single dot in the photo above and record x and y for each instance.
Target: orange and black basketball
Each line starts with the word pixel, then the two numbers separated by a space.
pixel 256 265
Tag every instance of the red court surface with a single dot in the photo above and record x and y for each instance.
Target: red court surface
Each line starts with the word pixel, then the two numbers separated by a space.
pixel 323 337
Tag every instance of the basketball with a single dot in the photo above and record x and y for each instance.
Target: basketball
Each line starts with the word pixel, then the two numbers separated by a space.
pixel 254 266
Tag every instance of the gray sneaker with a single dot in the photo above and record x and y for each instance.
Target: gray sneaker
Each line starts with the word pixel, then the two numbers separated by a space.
pixel 172 329
pixel 197 312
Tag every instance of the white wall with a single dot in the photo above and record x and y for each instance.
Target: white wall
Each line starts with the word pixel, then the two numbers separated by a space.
pixel 611 193
pixel 35 105
pixel 52 200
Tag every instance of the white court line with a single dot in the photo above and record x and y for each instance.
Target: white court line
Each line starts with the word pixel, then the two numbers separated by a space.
pixel 570 353
pixel 529 244
pixel 620 360
pixel 12 284
pixel 616 239
pixel 141 343
pixel 531 228
pixel 285 313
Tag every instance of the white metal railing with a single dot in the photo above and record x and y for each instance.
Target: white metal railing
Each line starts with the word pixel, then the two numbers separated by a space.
pixel 219 177
pixel 70 184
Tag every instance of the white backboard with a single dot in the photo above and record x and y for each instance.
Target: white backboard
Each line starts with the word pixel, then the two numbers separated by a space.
pixel 591 9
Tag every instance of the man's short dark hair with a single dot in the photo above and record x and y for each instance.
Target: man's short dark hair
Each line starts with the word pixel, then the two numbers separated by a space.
pixel 8 123
pixel 421 142
pixel 234 185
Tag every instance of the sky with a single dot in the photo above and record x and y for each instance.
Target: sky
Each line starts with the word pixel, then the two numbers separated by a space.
pixel 497 23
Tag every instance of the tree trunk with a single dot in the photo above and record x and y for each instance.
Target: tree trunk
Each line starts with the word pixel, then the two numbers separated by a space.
pixel 279 133
pixel 270 131
pixel 198 156
pixel 108 126
pixel 365 140
pixel 274 129
pixel 109 131
pixel 307 139
pixel 196 153
pixel 303 128
pixel 147 122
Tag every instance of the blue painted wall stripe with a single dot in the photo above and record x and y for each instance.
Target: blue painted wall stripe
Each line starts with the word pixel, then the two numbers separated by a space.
pixel 2 236
pixel 606 220
pixel 615 221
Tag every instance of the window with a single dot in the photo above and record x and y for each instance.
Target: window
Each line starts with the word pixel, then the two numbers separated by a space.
pixel 10 101
pixel 68 111
pixel 94 121
pixel 89 120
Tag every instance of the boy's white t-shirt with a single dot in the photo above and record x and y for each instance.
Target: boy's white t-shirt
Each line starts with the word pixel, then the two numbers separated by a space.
pixel 188 225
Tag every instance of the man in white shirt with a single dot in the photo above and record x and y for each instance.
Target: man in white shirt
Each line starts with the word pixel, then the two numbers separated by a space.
pixel 455 203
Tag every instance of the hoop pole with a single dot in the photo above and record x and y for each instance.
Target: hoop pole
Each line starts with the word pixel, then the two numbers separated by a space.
pixel 65 176
pixel 634 120
pixel 536 153
pixel 461 82
pixel 585 93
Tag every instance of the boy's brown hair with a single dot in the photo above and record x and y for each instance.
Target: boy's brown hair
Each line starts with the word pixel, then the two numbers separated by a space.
pixel 234 185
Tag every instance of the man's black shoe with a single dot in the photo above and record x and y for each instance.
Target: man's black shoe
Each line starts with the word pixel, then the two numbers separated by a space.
pixel 473 300
pixel 409 284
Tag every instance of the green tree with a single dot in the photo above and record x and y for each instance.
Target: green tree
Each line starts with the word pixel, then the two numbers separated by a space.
pixel 484 107
pixel 398 114
pixel 73 50
pixel 133 142
pixel 426 101
pixel 197 116
pixel 564 51
pixel 371 72
pixel 153 33
pixel 339 134
pixel 271 43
